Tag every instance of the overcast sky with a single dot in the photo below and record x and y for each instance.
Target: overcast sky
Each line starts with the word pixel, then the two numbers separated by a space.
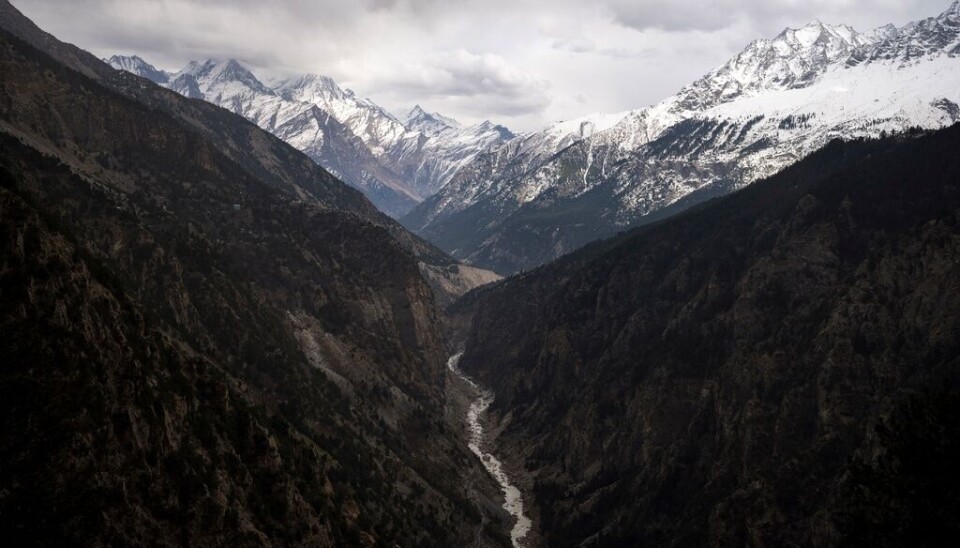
pixel 522 63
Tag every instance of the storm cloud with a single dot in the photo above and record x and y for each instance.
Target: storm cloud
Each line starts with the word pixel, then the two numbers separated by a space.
pixel 522 63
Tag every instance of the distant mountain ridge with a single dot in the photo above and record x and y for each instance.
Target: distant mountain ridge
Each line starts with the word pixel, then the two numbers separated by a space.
pixel 138 66
pixel 396 164
pixel 544 194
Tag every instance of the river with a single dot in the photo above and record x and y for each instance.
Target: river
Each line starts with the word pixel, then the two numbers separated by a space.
pixel 513 500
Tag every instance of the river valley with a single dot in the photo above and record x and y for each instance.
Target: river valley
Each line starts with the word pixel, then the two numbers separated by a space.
pixel 513 502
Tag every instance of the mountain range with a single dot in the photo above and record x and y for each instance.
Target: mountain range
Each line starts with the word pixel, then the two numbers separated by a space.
pixel 510 202
pixel 542 195
pixel 395 163
pixel 210 339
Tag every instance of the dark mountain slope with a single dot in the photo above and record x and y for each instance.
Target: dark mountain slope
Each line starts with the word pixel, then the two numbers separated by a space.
pixel 259 153
pixel 207 339
pixel 716 379
pixel 120 427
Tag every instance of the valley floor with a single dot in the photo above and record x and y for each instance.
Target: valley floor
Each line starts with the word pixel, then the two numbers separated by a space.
pixel 480 400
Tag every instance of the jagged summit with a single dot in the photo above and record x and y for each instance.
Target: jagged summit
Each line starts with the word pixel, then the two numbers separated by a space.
pixel 124 61
pixel 379 130
pixel 879 34
pixel 311 79
pixel 186 85
pixel 794 58
pixel 934 36
pixel 953 10
pixel 489 126
pixel 816 31
pixel 312 88
pixel 446 120
pixel 136 65
pixel 419 119
pixel 416 112
pixel 226 78
pixel 417 116
pixel 395 162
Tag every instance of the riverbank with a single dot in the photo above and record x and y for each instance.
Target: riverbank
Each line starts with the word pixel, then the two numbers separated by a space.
pixel 477 441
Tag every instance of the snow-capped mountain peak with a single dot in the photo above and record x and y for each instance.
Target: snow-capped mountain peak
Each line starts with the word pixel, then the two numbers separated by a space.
pixel 312 88
pixel 502 131
pixel 396 163
pixel 376 127
pixel 436 147
pixel 794 58
pixel 447 120
pixel 880 34
pixel 429 123
pixel 224 78
pixel 953 10
pixel 416 112
pixel 933 36
pixel 806 38
pixel 776 101
pixel 134 64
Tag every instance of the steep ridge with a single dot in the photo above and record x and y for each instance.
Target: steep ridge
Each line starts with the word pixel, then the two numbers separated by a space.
pixel 208 339
pixel 136 65
pixel 489 177
pixel 764 109
pixel 377 128
pixel 750 372
pixel 435 148
pixel 446 276
pixel 310 126
pixel 395 163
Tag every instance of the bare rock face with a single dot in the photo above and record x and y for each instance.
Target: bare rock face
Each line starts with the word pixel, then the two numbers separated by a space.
pixel 207 338
pixel 754 371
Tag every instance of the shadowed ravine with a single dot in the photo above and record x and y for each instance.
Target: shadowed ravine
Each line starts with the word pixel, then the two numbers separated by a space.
pixel 513 500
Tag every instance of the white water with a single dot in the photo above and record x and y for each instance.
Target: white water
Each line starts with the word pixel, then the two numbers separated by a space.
pixel 513 502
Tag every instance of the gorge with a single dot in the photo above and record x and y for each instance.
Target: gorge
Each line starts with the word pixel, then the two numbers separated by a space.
pixel 478 439
pixel 731 318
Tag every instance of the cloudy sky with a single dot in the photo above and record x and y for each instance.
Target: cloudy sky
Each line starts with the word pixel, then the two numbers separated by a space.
pixel 522 63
